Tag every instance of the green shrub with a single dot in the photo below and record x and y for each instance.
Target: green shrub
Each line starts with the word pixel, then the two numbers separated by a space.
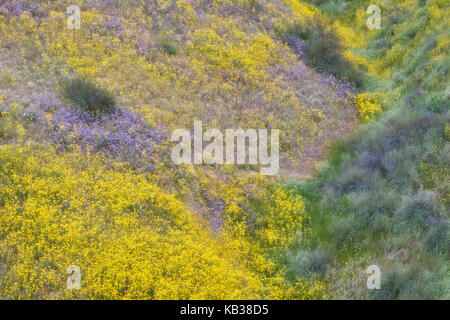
pixel 381 224
pixel 419 208
pixel 437 102
pixel 324 49
pixel 438 239
pixel 88 96
pixel 306 262
pixel 345 230
pixel 351 180
pixel 412 283
pixel 333 7
pixel 168 45
pixel 393 283
pixel 307 189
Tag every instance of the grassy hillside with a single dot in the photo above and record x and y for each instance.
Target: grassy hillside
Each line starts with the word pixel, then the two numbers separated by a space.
pixel 86 176
pixel 383 196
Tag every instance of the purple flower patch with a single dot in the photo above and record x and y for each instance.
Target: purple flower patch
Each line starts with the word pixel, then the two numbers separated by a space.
pixel 119 133
pixel 18 8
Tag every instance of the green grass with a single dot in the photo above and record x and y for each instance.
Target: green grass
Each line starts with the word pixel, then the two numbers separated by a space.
pixel 381 198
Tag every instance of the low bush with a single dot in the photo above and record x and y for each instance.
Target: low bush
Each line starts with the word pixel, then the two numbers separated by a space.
pixel 393 283
pixel 438 239
pixel 418 209
pixel 88 96
pixel 324 49
pixel 307 262
pixel 168 45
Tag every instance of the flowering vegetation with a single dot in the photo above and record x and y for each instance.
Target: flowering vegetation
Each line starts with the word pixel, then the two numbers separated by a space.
pixel 368 106
pixel 130 238
pixel 86 177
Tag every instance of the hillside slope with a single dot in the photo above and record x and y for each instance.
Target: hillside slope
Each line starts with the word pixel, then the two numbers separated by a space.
pixel 383 197
pixel 86 176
